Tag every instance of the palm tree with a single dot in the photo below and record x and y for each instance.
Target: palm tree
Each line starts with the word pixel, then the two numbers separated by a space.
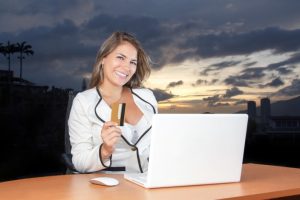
pixel 2 49
pixel 23 48
pixel 7 50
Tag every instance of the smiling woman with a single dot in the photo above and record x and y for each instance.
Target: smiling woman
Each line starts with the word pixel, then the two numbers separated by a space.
pixel 97 142
pixel 120 65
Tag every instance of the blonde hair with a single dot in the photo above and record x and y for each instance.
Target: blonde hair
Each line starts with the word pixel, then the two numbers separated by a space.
pixel 143 61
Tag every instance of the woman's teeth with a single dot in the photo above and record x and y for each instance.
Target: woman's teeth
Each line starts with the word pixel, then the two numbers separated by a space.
pixel 121 74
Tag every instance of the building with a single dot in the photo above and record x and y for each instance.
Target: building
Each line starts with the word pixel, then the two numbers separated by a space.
pixel 286 124
pixel 251 111
pixel 268 124
pixel 265 110
pixel 32 126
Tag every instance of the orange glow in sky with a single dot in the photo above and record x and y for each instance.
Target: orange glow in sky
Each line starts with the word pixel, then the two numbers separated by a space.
pixel 189 96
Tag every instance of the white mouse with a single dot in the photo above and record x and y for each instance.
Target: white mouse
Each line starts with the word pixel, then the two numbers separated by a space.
pixel 107 181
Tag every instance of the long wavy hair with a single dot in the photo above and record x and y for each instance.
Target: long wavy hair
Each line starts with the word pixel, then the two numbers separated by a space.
pixel 143 69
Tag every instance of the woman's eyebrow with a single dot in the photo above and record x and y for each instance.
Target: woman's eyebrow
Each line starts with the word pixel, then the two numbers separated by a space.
pixel 122 55
pixel 134 59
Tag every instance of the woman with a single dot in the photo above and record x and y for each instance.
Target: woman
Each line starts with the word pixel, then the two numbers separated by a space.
pixel 98 143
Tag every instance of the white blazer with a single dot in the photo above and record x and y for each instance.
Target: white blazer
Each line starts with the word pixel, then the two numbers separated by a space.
pixel 85 132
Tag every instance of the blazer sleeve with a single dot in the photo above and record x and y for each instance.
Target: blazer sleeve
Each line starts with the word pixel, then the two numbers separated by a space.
pixel 85 154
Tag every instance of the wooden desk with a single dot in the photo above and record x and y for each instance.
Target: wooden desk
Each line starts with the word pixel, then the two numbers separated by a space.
pixel 258 182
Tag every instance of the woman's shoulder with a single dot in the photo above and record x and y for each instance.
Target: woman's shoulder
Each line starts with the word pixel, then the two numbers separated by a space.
pixel 145 92
pixel 146 95
pixel 87 95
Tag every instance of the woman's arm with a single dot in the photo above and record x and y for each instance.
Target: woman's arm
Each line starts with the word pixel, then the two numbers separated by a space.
pixel 85 154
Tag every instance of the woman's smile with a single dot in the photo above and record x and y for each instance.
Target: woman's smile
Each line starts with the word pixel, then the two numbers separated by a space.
pixel 121 74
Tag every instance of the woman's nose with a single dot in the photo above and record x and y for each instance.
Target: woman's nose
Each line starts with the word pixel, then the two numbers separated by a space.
pixel 126 65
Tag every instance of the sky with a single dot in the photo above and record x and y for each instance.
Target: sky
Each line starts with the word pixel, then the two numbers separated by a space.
pixel 208 55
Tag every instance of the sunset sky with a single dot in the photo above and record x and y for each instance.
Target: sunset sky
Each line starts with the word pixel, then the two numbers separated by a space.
pixel 208 55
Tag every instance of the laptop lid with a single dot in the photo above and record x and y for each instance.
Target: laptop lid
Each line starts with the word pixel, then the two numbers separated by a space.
pixel 192 149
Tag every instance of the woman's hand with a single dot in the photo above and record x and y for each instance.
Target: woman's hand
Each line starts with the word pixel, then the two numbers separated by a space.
pixel 110 135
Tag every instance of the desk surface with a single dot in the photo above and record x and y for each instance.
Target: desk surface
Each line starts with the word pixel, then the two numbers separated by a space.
pixel 258 182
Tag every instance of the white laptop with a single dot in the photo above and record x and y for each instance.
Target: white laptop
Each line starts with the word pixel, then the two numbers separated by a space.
pixel 194 149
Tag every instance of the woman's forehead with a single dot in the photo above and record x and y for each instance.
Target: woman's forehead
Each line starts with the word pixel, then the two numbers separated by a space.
pixel 126 49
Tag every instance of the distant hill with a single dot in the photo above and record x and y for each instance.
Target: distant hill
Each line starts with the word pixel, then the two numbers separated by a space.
pixel 289 107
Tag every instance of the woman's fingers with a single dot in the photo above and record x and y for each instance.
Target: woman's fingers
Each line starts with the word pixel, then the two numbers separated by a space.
pixel 110 135
pixel 109 124
pixel 111 138
pixel 111 132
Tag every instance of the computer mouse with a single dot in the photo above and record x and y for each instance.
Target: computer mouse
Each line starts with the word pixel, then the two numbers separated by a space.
pixel 107 181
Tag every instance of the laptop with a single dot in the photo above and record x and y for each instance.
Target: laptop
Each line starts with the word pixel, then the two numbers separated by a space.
pixel 194 149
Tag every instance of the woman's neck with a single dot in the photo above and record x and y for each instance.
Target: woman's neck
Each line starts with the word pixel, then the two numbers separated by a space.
pixel 111 93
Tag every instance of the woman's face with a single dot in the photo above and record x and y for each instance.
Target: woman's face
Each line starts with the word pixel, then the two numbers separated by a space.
pixel 120 65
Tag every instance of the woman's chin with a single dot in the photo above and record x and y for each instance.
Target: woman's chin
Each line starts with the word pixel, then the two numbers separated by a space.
pixel 121 82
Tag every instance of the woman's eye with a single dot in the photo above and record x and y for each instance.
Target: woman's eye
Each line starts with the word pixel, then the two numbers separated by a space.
pixel 133 63
pixel 120 57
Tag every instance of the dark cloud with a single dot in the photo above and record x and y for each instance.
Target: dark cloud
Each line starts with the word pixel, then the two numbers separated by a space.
pixel 292 90
pixel 274 83
pixel 250 64
pixel 47 7
pixel 60 57
pixel 226 44
pixel 108 24
pixel 175 84
pixel 162 95
pixel 213 100
pixel 152 36
pixel 221 104
pixel 252 73
pixel 33 7
pixel 246 78
pixel 66 35
pixel 210 15
pixel 284 67
pixel 214 81
pixel 62 42
pixel 222 100
pixel 70 50
pixel 232 92
pixel 219 66
pixel 157 35
pixel 225 64
pixel 241 102
pixel 17 16
pixel 236 81
pixel 199 82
